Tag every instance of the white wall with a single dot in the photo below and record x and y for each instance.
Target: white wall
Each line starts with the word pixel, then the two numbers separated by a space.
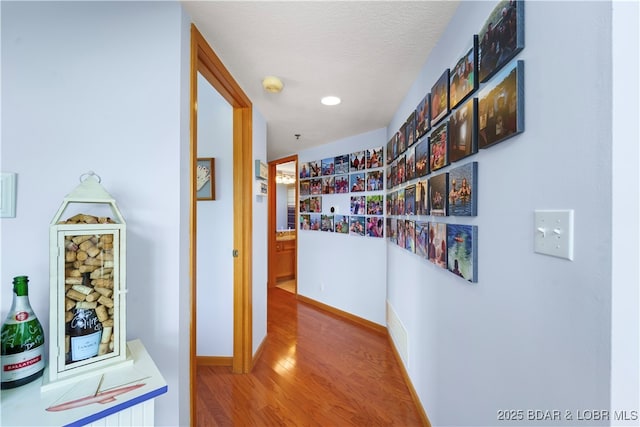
pixel 535 331
pixel 215 227
pixel 281 206
pixel 343 271
pixel 104 86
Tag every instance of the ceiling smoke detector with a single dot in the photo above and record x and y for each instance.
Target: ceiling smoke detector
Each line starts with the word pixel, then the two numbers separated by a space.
pixel 272 84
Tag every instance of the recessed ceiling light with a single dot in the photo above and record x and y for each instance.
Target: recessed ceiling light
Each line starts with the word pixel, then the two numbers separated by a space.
pixel 331 100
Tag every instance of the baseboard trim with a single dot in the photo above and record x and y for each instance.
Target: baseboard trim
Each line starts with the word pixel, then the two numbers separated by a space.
pixel 214 361
pixel 348 316
pixel 407 381
pixel 258 353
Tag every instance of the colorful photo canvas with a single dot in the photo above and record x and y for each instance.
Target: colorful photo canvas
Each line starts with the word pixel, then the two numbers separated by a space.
pixel 463 79
pixel 389 170
pixel 422 157
pixel 402 142
pixel 315 186
pixel 326 223
pixel 410 236
pixel 400 202
pixel 501 106
pixel 328 185
pixel 304 170
pixel 315 204
pixel 358 161
pixel 328 166
pixel 375 180
pixel 394 175
pixel 438 191
pixel 375 205
pixel 462 251
pixel 305 222
pixel 410 129
pixel 342 184
pixel 357 225
pixel 357 182
pixel 411 163
pixel 422 201
pixel 341 164
pixel 390 151
pixel 358 205
pixel 315 221
pixel 304 205
pixel 402 169
pixel 422 238
pixel 315 169
pixel 463 138
pixel 401 235
pixel 437 244
pixel 341 224
pixel 304 187
pixel 392 203
pixel 375 158
pixel 375 226
pixel 438 144
pixel 423 124
pixel 395 147
pixel 410 200
pixel 393 231
pixel 440 98
pixel 463 190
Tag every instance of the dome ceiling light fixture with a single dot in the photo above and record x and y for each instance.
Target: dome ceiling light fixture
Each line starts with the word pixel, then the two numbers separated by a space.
pixel 272 84
pixel 331 100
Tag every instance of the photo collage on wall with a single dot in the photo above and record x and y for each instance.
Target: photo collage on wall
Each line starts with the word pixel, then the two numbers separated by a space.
pixel 476 104
pixel 359 174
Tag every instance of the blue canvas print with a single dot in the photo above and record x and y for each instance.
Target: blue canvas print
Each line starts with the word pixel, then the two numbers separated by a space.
pixel 462 243
pixel 463 190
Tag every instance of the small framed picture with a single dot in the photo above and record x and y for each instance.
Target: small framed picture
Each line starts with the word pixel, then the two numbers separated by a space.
pixel 463 138
pixel 438 146
pixel 440 98
pixel 205 179
pixel 462 244
pixel 423 124
pixel 438 191
pixel 463 80
pixel 463 190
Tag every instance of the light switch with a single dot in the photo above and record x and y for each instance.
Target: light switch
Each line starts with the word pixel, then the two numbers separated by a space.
pixel 554 233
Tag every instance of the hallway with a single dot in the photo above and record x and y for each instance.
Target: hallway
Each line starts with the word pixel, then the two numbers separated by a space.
pixel 315 369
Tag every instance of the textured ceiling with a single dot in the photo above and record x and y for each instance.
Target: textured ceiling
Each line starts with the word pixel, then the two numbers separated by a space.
pixel 366 52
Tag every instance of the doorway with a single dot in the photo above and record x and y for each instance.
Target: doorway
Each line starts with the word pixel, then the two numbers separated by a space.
pixel 283 214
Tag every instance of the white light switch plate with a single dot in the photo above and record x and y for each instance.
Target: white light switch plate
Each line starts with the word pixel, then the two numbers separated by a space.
pixel 554 233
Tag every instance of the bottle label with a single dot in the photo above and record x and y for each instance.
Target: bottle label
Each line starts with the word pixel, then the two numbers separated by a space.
pixel 85 346
pixel 21 365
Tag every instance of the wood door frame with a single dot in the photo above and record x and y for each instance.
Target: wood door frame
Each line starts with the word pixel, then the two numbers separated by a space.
pixel 271 191
pixel 205 61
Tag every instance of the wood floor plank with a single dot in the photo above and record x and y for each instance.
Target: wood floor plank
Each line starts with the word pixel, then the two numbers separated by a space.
pixel 316 369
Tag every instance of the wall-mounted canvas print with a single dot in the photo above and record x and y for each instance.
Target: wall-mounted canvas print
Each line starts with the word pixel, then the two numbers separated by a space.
pixel 394 175
pixel 501 37
pixel 326 223
pixel 305 207
pixel 357 182
pixel 463 139
pixel 393 231
pixel 410 236
pixel 375 158
pixel 410 200
pixel 402 169
pixel 411 163
pixel 341 224
pixel 389 151
pixel 422 157
pixel 438 145
pixel 304 187
pixel 305 222
pixel 389 171
pixel 328 185
pixel 304 170
pixel 375 226
pixel 342 184
pixel 315 221
pixel 375 180
pixel 463 190
pixel 401 240
pixel 393 200
pixel 375 205
pixel 463 253
pixel 438 190
pixel 440 98
pixel 206 179
pixel 410 129
pixel 358 161
pixel 463 80
pixel 315 204
pixel 356 225
pixel 400 202
pixel 501 106
pixel 315 169
pixel 358 205
pixel 422 238
pixel 394 141
pixel 387 227
pixel 328 166
pixel 437 246
pixel 315 186
pixel 423 124
pixel 422 201
pixel 341 164
pixel 402 141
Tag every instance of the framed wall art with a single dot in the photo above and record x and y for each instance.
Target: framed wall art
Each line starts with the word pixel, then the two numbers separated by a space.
pixel 327 166
pixel 463 138
pixel 342 184
pixel 462 243
pixel 375 158
pixel 410 235
pixel 438 146
pixel 437 246
pixel 501 106
pixel 357 225
pixel 438 190
pixel 341 164
pixel 357 182
pixel 375 226
pixel 326 223
pixel 357 161
pixel 422 202
pixel 422 157
pixel 423 124
pixel 463 80
pixel 463 190
pixel 422 238
pixel 440 98
pixel 205 179
pixel 341 224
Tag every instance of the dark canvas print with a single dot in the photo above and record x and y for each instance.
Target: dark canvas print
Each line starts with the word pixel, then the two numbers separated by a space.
pixel 463 80
pixel 411 163
pixel 304 205
pixel 423 124
pixel 462 242
pixel 328 185
pixel 315 186
pixel 402 170
pixel 393 231
pixel 440 98
pixel 422 157
pixel 438 190
pixel 305 222
pixel 463 140
pixel 410 200
pixel 315 204
pixel 438 145
pixel 315 169
pixel 501 37
pixel 315 221
pixel 304 187
pixel 400 202
pixel 401 233
pixel 402 141
pixel 463 189
pixel 410 129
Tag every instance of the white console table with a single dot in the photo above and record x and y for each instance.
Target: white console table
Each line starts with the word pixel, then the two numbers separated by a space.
pixel 117 397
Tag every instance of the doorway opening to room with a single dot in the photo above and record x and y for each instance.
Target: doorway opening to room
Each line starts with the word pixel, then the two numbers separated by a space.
pixel 283 214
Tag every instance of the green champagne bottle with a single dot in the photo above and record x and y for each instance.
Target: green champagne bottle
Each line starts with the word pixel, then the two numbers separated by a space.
pixel 22 340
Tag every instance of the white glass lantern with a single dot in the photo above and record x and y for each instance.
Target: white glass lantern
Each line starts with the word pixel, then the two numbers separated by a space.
pixel 87 283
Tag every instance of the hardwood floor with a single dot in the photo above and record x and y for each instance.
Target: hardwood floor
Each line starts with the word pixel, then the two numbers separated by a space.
pixel 316 369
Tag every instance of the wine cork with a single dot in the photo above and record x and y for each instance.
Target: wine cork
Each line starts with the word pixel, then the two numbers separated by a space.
pixel 93 296
pixel 70 256
pixel 73 281
pixel 89 219
pixel 67 343
pixel 81 255
pixel 82 289
pixel 101 312
pixel 104 256
pixel 80 239
pixel 74 273
pixel 94 252
pixel 102 283
pixel 68 316
pixel 86 268
pixel 104 291
pixel 103 349
pixel 105 301
pixel 106 238
pixel 87 244
pixel 106 334
pixel 75 295
pixel 69 304
pixel 108 322
pixel 93 261
pixel 86 305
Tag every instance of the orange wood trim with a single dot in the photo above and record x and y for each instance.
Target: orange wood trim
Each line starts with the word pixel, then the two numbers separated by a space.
pixel 213 361
pixel 356 319
pixel 407 381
